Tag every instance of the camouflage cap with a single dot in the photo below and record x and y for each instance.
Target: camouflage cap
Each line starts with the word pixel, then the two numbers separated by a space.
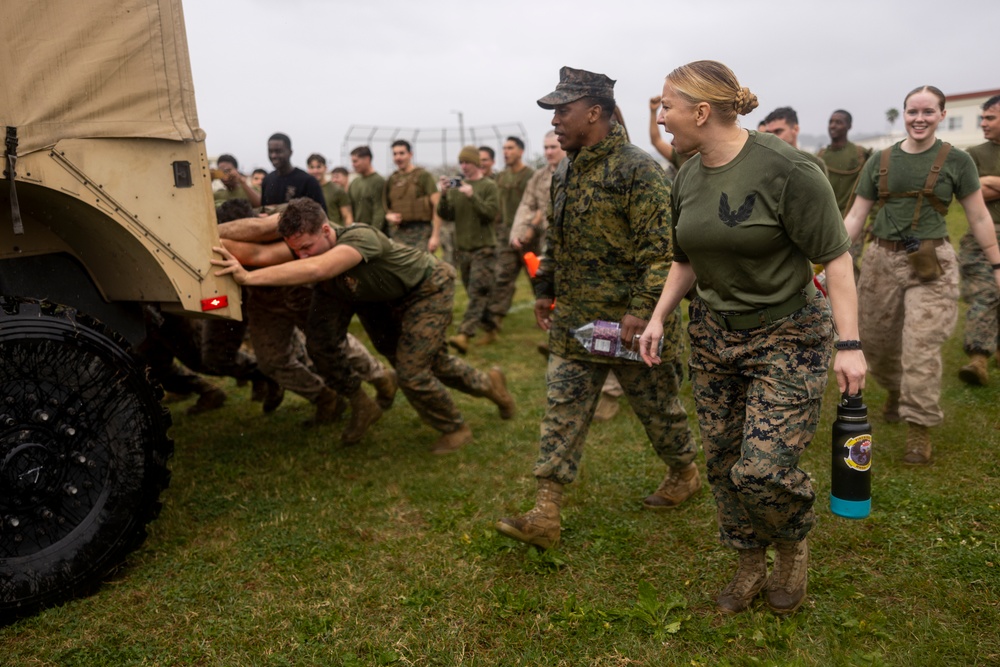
pixel 575 84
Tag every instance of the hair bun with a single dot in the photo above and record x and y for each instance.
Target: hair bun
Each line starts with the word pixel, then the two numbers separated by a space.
pixel 745 102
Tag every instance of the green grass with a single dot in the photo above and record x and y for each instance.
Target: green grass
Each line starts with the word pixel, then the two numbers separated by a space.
pixel 278 547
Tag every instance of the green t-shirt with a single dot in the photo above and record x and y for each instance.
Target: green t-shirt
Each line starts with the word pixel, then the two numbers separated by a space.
pixel 366 200
pixel 753 228
pixel 473 215
pixel 388 270
pixel 225 194
pixel 816 160
pixel 335 197
pixel 908 172
pixel 987 160
pixel 843 166
pixel 409 195
pixel 511 184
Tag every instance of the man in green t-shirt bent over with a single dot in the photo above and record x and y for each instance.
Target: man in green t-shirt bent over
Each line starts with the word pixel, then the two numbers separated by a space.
pixel 403 297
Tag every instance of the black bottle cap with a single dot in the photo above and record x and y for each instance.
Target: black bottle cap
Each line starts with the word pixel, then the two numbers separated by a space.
pixel 852 407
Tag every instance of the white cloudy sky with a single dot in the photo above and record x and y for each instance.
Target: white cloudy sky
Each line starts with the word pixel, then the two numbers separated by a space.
pixel 314 68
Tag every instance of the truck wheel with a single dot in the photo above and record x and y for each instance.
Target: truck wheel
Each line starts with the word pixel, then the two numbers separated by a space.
pixel 83 454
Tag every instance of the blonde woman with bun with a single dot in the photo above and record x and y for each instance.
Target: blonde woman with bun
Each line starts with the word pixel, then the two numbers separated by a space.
pixel 750 217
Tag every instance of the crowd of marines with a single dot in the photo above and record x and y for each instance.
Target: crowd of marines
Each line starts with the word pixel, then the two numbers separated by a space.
pixel 313 249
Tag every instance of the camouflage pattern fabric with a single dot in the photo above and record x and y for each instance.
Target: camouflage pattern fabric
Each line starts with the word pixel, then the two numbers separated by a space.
pixel 275 313
pixel 508 264
pixel 573 390
pixel 608 246
pixel 278 318
pixel 758 397
pixel 903 324
pixel 478 273
pixel 413 234
pixel 221 349
pixel 410 332
pixel 448 241
pixel 979 290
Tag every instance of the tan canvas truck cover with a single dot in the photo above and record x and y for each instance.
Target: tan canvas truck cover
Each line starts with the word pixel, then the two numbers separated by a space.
pixel 111 164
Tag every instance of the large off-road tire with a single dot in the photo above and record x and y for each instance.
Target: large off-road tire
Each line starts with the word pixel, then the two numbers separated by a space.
pixel 83 454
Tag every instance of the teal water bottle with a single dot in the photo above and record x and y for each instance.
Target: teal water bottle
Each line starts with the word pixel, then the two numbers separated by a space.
pixel 851 483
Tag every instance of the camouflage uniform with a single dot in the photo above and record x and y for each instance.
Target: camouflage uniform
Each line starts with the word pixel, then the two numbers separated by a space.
pixel 278 316
pixel 760 332
pixel 410 332
pixel 979 287
pixel 904 322
pixel 477 269
pixel 758 398
pixel 508 260
pixel 606 255
pixel 475 243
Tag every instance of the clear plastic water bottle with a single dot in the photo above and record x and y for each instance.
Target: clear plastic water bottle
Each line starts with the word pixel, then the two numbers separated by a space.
pixel 605 339
pixel 851 482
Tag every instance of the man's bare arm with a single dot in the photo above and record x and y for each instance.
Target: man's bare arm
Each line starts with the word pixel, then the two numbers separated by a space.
pixel 254 230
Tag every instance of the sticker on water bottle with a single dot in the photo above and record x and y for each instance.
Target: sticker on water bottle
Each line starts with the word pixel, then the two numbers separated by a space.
pixel 859 452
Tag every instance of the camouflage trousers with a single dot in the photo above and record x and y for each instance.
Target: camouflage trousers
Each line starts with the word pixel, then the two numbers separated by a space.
pixel 508 265
pixel 448 241
pixel 758 396
pixel 478 268
pixel 573 389
pixel 410 332
pixel 278 316
pixel 903 324
pixel 413 234
pixel 979 289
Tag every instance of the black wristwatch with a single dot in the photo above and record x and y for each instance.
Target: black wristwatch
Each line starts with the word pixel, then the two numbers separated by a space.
pixel 848 345
pixel 995 266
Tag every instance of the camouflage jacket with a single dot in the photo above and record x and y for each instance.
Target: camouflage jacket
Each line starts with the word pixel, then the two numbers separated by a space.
pixel 608 244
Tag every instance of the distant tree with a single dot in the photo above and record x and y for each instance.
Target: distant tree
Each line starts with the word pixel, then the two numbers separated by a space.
pixel 892 115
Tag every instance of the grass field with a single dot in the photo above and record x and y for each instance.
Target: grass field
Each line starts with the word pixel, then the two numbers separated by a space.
pixel 278 547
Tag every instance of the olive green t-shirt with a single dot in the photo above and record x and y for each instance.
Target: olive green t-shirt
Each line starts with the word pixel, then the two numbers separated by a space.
pixel 473 215
pixel 843 166
pixel 987 160
pixel 752 229
pixel 366 200
pixel 388 270
pixel 908 172
pixel 512 184
pixel 225 194
pixel 335 198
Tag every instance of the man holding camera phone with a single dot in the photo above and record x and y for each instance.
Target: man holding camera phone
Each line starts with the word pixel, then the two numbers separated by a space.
pixel 472 202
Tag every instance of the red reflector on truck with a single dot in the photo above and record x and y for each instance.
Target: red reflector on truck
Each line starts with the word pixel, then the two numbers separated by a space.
pixel 215 303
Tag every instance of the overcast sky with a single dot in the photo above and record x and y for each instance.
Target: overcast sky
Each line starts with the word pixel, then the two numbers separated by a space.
pixel 314 68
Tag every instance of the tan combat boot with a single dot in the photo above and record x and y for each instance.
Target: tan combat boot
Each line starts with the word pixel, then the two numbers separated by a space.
pixel 488 338
pixel 679 485
pixel 750 577
pixel 786 589
pixel 454 441
pixel 976 372
pixel 540 526
pixel 364 413
pixel 607 408
pixel 385 389
pixel 498 393
pixel 330 407
pixel 460 342
pixel 890 411
pixel 918 445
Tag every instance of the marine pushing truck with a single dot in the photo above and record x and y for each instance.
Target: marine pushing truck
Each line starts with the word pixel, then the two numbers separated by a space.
pixel 105 207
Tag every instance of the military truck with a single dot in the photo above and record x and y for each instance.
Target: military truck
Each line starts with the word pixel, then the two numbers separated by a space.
pixel 105 207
